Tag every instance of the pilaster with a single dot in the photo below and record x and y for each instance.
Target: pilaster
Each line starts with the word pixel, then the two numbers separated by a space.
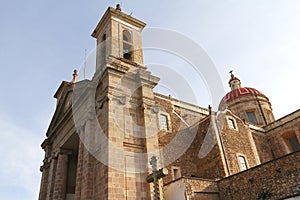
pixel 59 192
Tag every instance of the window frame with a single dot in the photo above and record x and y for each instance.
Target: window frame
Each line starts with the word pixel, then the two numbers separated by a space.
pixel 164 124
pixel 243 165
pixel 289 146
pixel 168 121
pixel 231 121
pixel 128 44
pixel 174 177
pixel 254 115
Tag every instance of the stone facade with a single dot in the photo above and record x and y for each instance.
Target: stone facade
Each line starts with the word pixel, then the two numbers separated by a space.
pixel 105 131
pixel 192 188
pixel 277 179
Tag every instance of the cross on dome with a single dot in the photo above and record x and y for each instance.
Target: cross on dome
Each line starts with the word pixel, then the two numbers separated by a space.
pixel 234 82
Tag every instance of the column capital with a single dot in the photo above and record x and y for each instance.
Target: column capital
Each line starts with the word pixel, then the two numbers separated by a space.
pixel 61 151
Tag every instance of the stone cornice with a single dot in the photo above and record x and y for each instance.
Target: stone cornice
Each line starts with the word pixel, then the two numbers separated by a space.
pixel 111 12
pixel 282 121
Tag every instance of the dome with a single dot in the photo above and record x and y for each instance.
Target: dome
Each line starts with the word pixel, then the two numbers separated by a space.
pixel 239 92
pixel 247 103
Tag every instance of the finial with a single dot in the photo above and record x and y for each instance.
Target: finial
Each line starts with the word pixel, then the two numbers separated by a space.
pixel 75 75
pixel 234 82
pixel 118 7
pixel 209 109
pixel 231 74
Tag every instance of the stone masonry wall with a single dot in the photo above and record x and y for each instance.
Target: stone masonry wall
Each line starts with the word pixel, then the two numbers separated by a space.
pixel 210 166
pixel 282 129
pixel 238 142
pixel 192 189
pixel 277 179
pixel 198 189
pixel 263 147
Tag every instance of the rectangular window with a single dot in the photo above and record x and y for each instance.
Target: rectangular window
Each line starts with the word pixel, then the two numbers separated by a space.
pixel 231 123
pixel 251 117
pixel 243 163
pixel 294 143
pixel 164 122
pixel 176 174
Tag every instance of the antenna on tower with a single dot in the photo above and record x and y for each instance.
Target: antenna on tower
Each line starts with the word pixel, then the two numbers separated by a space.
pixel 84 67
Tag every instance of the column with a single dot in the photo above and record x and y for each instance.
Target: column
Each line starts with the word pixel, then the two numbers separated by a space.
pixel 44 180
pixel 79 171
pixel 59 192
pixel 87 175
pixel 51 177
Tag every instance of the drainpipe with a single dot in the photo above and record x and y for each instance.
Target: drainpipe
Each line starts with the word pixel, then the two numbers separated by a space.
pixel 261 110
pixel 222 144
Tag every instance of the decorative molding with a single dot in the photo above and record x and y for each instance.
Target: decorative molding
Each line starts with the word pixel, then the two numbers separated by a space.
pixel 155 108
pixel 46 164
pixel 101 101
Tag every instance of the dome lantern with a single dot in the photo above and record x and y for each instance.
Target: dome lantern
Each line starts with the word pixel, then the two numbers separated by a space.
pixel 234 82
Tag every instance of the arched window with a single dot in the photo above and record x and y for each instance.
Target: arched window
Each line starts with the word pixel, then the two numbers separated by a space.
pixel 243 164
pixel 127 36
pixel 231 123
pixel 127 45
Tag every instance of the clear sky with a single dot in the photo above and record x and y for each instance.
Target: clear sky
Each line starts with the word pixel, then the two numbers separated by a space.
pixel 43 41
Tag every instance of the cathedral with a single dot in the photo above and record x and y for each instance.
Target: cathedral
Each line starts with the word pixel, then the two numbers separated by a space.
pixel 113 137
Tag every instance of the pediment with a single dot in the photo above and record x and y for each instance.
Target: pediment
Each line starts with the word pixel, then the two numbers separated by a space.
pixel 64 103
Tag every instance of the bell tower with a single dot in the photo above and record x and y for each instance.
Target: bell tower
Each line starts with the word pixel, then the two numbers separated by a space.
pixel 124 107
pixel 118 36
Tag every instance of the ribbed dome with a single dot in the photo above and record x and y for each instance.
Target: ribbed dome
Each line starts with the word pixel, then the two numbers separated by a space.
pixel 243 91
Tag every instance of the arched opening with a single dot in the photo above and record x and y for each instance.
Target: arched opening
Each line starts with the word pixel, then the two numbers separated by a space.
pixel 71 148
pixel 242 162
pixel 103 48
pixel 127 45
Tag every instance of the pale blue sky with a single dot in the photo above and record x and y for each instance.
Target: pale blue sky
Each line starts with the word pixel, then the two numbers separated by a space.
pixel 43 41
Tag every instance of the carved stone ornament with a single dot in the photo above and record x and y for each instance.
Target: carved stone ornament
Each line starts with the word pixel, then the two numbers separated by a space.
pixel 119 66
pixel 122 100
pixel 155 109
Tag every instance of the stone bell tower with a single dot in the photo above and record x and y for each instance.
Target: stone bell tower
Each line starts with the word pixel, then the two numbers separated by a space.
pixel 119 36
pixel 104 131
pixel 124 105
